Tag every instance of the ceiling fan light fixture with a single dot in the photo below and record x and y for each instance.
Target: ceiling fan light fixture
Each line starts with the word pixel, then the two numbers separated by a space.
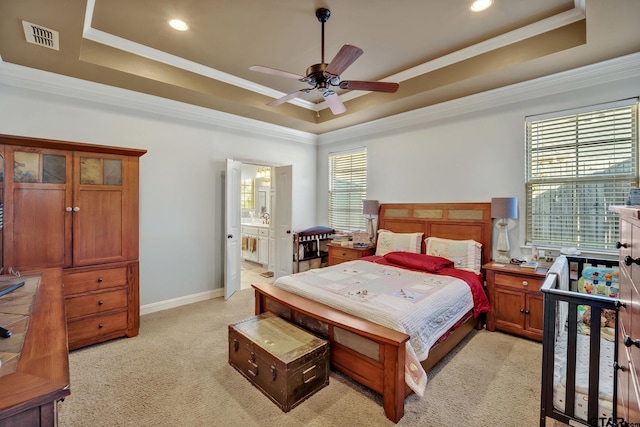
pixel 480 5
pixel 178 24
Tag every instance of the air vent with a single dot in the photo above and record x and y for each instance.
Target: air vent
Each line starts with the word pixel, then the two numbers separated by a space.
pixel 40 35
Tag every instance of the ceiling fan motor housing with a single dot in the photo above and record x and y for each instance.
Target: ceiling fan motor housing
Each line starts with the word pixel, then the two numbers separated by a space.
pixel 316 77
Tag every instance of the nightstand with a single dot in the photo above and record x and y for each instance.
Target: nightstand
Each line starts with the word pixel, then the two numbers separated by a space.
pixel 339 254
pixel 515 298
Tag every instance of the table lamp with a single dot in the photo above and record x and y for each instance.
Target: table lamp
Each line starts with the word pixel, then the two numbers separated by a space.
pixel 370 207
pixel 503 208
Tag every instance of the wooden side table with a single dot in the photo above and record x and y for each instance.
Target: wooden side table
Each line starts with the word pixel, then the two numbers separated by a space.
pixel 339 254
pixel 516 300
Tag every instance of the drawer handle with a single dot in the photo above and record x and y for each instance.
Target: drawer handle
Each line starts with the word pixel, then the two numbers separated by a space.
pixel 100 302
pixel 628 342
pixel 525 283
pixel 621 245
pixel 274 373
pixel 236 344
pixel 628 260
pixel 100 279
pixel 618 367
pixel 101 325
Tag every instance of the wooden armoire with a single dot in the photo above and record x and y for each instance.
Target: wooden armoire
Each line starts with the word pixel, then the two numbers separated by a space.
pixel 75 206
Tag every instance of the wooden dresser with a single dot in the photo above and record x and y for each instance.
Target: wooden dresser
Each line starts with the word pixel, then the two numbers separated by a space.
pixel 629 320
pixel 75 206
pixel 340 254
pixel 35 364
pixel 516 300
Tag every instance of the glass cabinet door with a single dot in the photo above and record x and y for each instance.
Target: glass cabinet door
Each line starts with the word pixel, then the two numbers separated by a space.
pixel 100 223
pixel 38 221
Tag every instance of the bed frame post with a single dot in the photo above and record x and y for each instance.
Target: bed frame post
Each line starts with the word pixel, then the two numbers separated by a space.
pixel 393 383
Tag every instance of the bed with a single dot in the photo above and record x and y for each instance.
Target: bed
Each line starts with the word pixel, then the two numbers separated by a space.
pixel 372 354
pixel 579 384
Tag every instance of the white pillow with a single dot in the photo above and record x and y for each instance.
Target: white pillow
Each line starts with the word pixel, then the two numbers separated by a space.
pixel 388 241
pixel 465 254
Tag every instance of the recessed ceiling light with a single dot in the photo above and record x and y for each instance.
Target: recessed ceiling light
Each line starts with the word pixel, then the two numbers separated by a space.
pixel 179 25
pixel 480 5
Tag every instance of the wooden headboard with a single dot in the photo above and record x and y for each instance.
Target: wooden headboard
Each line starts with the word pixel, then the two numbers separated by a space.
pixel 457 221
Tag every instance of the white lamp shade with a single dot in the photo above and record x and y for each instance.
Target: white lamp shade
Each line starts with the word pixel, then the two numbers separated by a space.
pixel 504 207
pixel 370 207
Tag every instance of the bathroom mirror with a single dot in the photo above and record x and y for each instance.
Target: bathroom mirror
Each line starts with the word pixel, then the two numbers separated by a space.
pixel 262 202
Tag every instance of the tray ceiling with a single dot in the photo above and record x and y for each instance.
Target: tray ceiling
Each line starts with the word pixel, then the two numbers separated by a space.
pixel 436 50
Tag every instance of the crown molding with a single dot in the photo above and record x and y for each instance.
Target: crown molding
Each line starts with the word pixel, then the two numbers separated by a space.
pixel 591 75
pixel 71 87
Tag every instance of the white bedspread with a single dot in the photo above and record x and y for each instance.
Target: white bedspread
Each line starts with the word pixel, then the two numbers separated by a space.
pixel 422 305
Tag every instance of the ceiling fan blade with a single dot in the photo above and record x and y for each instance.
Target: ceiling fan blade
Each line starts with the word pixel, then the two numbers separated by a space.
pixel 345 57
pixel 274 72
pixel 370 86
pixel 285 98
pixel 334 102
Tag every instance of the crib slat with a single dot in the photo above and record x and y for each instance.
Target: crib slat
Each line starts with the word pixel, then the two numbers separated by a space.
pixel 572 339
pixel 594 362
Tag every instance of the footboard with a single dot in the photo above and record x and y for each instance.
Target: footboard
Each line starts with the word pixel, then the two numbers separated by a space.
pixel 367 352
pixel 572 349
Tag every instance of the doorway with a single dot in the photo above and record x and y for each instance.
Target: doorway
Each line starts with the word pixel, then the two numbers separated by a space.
pixel 257 224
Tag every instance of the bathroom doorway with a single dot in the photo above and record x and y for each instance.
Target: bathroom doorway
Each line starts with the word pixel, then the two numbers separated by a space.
pixel 256 216
pixel 261 233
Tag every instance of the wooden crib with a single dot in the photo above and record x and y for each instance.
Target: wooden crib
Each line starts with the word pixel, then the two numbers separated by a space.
pixel 578 401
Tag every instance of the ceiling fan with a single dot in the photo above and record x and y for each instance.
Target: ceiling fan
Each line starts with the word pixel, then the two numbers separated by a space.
pixel 323 76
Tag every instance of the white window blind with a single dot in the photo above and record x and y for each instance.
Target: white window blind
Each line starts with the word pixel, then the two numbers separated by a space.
pixel 578 165
pixel 347 189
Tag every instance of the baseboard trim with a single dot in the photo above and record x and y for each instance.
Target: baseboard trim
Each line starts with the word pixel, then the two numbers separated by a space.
pixel 180 301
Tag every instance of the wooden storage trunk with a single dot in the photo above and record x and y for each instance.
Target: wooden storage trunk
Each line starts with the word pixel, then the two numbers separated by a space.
pixel 285 362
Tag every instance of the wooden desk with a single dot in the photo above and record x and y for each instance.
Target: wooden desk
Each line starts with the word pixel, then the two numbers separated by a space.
pixel 37 374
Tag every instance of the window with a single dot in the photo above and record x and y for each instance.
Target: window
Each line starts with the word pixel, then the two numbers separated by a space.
pixel 578 164
pixel 246 194
pixel 347 189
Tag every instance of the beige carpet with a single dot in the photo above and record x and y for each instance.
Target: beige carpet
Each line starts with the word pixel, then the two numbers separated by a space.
pixel 176 373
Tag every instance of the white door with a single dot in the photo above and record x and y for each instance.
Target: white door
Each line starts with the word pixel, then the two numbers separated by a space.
pixel 284 236
pixel 272 227
pixel 232 278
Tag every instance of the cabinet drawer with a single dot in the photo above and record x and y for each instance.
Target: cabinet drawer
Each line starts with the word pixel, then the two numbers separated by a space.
pixel 518 282
pixel 96 326
pixel 251 231
pixel 345 254
pixel 78 282
pixel 95 303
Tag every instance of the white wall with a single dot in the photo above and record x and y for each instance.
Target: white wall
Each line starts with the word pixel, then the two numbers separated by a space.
pixel 472 149
pixel 181 175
